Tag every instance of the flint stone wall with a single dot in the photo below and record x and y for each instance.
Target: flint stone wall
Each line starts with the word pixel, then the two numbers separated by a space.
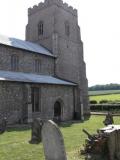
pixel 14 101
pixel 26 61
pixel 11 101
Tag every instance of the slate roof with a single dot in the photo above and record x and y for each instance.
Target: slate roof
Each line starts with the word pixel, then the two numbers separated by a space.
pixel 31 78
pixel 21 44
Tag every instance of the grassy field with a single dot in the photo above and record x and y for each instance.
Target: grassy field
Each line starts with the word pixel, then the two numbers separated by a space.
pixel 109 97
pixel 14 143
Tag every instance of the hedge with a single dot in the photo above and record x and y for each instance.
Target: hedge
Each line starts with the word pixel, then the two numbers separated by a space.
pixel 104 107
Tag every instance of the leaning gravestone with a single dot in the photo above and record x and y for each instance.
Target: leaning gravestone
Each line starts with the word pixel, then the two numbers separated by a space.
pixel 53 142
pixel 36 131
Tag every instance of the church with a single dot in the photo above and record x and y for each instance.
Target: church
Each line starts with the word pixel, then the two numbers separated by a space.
pixel 45 75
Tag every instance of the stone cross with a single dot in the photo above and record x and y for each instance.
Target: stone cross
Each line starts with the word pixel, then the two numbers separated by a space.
pixel 53 142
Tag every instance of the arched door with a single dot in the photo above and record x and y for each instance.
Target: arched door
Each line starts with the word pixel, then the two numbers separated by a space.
pixel 57 110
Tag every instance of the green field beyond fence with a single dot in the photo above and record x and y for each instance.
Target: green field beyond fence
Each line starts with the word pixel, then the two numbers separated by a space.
pixel 110 98
pixel 109 95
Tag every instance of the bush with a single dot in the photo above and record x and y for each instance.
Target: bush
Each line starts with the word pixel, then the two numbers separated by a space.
pixel 103 101
pixel 93 102
pixel 105 107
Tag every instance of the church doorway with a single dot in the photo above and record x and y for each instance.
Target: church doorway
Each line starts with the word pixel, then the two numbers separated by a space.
pixel 57 111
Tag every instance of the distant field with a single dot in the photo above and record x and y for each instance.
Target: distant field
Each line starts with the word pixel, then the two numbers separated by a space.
pixel 103 92
pixel 109 95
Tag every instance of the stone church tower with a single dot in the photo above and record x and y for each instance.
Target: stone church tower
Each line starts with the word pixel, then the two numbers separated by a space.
pixel 54 25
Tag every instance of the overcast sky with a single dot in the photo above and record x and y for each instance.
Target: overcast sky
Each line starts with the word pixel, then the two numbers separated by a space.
pixel 100 30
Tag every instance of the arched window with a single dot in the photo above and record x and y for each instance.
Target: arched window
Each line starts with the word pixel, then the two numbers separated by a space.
pixel 37 66
pixel 14 63
pixel 67 28
pixel 40 28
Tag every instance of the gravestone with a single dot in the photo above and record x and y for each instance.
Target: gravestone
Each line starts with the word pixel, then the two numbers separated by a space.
pixel 108 119
pixel 53 142
pixel 36 131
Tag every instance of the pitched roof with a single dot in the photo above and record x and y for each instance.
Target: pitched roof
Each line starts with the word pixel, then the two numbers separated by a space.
pixel 32 78
pixel 29 46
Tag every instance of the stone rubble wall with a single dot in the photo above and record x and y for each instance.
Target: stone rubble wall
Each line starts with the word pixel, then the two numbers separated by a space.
pixel 14 101
pixel 26 61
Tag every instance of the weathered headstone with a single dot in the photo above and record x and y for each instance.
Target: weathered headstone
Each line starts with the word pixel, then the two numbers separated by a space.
pixel 53 142
pixel 36 131
pixel 108 119
pixel 3 125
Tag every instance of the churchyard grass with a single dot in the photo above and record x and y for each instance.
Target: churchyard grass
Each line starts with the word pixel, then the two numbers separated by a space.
pixel 14 143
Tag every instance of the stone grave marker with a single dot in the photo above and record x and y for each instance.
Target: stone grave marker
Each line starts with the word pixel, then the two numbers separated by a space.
pixel 53 142
pixel 108 119
pixel 36 131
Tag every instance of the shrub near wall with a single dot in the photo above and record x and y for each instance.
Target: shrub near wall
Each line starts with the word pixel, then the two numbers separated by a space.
pixel 105 107
pixel 93 102
pixel 103 101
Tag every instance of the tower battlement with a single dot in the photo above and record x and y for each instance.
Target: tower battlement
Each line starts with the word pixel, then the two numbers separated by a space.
pixel 48 3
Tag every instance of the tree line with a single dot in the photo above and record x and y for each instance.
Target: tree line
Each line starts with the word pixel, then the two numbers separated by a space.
pixel 111 86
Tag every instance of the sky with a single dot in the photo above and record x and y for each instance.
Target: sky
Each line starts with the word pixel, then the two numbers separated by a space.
pixel 99 21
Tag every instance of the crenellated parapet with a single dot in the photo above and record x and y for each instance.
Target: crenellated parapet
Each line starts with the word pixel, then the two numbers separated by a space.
pixel 48 3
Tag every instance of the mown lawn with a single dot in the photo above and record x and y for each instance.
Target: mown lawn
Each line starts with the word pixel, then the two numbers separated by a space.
pixel 14 143
pixel 109 97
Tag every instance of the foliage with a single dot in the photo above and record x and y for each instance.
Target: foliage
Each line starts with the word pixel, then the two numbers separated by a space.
pixel 103 101
pixel 14 143
pixel 114 108
pixel 110 86
pixel 103 92
pixel 93 102
pixel 105 98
